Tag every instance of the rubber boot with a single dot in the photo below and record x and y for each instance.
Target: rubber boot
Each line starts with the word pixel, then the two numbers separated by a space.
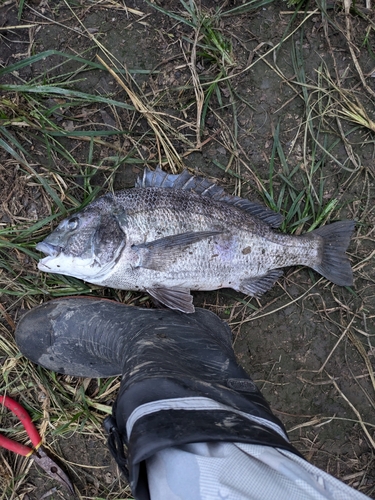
pixel 180 384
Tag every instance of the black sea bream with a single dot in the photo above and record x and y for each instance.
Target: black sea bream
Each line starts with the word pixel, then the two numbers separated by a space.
pixel 174 233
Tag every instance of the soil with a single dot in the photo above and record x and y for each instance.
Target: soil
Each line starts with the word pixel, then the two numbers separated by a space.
pixel 299 342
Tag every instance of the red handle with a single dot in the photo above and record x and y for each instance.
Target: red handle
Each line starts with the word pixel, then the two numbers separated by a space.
pixel 30 428
pixel 19 448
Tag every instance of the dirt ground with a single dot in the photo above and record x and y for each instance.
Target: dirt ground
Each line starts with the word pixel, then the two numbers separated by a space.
pixel 307 343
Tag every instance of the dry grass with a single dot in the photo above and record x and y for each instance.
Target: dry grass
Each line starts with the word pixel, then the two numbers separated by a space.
pixel 62 144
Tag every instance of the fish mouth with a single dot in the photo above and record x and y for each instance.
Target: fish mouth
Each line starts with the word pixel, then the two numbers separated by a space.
pixel 48 249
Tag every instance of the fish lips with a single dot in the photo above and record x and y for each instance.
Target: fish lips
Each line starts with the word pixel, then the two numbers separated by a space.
pixel 48 249
pixel 51 252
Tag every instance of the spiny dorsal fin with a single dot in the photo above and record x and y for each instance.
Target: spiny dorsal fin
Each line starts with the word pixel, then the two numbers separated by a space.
pixel 204 187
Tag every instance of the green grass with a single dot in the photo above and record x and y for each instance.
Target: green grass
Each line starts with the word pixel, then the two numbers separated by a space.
pixel 212 50
pixel 64 161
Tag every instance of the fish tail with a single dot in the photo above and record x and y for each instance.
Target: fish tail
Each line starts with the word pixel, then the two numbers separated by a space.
pixel 335 265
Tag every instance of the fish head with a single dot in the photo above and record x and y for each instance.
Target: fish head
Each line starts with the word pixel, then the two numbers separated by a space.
pixel 86 245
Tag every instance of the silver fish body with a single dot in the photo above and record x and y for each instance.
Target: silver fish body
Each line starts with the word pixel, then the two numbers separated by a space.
pixel 172 234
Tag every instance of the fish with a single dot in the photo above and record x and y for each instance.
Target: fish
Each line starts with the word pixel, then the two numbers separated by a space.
pixel 173 233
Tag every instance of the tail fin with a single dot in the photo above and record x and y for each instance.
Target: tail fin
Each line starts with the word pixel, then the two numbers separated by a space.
pixel 335 265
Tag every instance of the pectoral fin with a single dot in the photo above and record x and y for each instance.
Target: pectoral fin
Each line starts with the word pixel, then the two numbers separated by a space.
pixel 174 298
pixel 158 254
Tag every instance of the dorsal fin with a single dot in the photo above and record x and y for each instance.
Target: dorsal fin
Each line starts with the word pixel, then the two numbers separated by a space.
pixel 204 187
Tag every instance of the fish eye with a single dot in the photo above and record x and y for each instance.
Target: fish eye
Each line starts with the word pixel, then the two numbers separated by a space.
pixel 72 223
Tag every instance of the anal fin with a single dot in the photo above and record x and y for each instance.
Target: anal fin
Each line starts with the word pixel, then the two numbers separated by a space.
pixel 258 286
pixel 174 298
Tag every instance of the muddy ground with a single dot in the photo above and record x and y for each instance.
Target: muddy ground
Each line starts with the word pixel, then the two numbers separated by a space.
pixel 307 343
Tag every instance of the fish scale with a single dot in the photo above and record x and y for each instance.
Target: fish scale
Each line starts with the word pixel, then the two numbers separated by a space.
pixel 175 233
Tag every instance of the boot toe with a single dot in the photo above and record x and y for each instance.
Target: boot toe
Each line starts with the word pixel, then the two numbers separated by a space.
pixel 53 335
